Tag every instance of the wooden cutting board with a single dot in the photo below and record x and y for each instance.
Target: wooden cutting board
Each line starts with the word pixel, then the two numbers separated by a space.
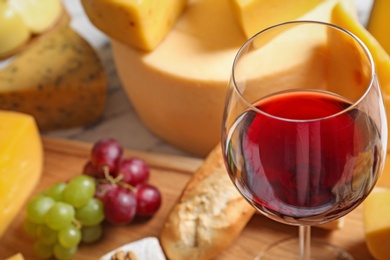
pixel 64 159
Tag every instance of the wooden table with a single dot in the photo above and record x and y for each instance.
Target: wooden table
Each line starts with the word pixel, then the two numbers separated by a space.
pixel 64 159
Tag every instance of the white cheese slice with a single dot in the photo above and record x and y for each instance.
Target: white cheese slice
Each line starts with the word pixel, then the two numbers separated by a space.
pixel 147 248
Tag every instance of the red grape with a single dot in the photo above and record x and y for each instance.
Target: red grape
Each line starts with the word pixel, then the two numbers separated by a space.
pixel 90 170
pixel 148 200
pixel 102 189
pixel 120 205
pixel 106 152
pixel 134 171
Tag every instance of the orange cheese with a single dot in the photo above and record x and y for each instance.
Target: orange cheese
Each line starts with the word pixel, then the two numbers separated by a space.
pixel 21 162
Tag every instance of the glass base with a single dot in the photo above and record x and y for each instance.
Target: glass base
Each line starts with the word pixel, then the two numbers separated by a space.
pixel 289 249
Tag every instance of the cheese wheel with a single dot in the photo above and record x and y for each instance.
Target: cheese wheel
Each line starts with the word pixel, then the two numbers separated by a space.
pixel 179 88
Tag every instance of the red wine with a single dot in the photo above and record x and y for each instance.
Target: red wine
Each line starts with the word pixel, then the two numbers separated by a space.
pixel 292 166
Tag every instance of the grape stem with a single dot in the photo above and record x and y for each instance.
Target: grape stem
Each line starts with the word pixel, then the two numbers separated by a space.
pixel 117 180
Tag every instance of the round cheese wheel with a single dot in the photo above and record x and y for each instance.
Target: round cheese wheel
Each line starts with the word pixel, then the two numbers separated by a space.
pixel 179 89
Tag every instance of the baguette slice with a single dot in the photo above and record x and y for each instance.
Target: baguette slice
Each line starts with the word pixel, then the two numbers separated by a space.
pixel 208 216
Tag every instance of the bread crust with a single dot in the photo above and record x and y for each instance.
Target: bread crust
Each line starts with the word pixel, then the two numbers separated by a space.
pixel 208 216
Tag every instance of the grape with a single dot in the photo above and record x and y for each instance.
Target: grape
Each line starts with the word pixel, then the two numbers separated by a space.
pixel 79 191
pixel 31 228
pixel 62 253
pixel 120 205
pixel 148 200
pixel 91 234
pixel 90 170
pixel 59 215
pixel 133 170
pixel 69 236
pixel 55 191
pixel 47 235
pixel 102 189
pixel 106 152
pixel 37 208
pixel 43 251
pixel 90 214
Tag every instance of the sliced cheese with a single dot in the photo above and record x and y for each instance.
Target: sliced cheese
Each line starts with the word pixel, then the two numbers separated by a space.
pixel 141 24
pixel 59 80
pixel 340 16
pixel 38 15
pixel 376 219
pixel 179 89
pixel 13 31
pixel 378 24
pixel 21 162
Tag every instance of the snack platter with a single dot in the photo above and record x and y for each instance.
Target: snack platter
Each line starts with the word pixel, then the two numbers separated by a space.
pixel 64 159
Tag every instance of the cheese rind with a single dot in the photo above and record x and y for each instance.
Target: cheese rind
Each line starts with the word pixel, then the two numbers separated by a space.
pixel 21 162
pixel 66 86
pixel 141 24
pixel 376 219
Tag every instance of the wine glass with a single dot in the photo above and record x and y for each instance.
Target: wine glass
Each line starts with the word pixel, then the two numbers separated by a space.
pixel 304 133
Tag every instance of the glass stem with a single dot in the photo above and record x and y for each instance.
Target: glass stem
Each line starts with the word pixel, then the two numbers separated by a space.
pixel 304 242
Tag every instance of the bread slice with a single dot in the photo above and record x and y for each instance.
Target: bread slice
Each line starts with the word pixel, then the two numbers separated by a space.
pixel 208 216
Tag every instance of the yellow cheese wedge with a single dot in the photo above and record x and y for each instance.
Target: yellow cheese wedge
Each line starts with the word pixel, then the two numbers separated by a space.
pixel 13 31
pixel 18 256
pixel 59 80
pixel 38 15
pixel 141 24
pixel 256 15
pixel 378 24
pixel 341 17
pixel 376 219
pixel 21 162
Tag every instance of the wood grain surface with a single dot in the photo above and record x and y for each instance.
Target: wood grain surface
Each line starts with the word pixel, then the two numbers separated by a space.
pixel 64 159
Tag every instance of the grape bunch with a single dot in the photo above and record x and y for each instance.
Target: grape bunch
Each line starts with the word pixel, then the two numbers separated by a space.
pixel 63 216
pixel 123 186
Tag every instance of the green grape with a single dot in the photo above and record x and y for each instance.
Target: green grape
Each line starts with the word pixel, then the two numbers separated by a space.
pixel 79 191
pixel 31 228
pixel 69 236
pixel 55 191
pixel 43 251
pixel 62 253
pixel 59 216
pixel 91 234
pixel 91 213
pixel 38 207
pixel 47 235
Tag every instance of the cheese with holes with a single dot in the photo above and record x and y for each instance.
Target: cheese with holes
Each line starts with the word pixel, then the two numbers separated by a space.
pixel 179 89
pixel 65 87
pixel 21 162
pixel 376 219
pixel 341 16
pixel 378 24
pixel 142 24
